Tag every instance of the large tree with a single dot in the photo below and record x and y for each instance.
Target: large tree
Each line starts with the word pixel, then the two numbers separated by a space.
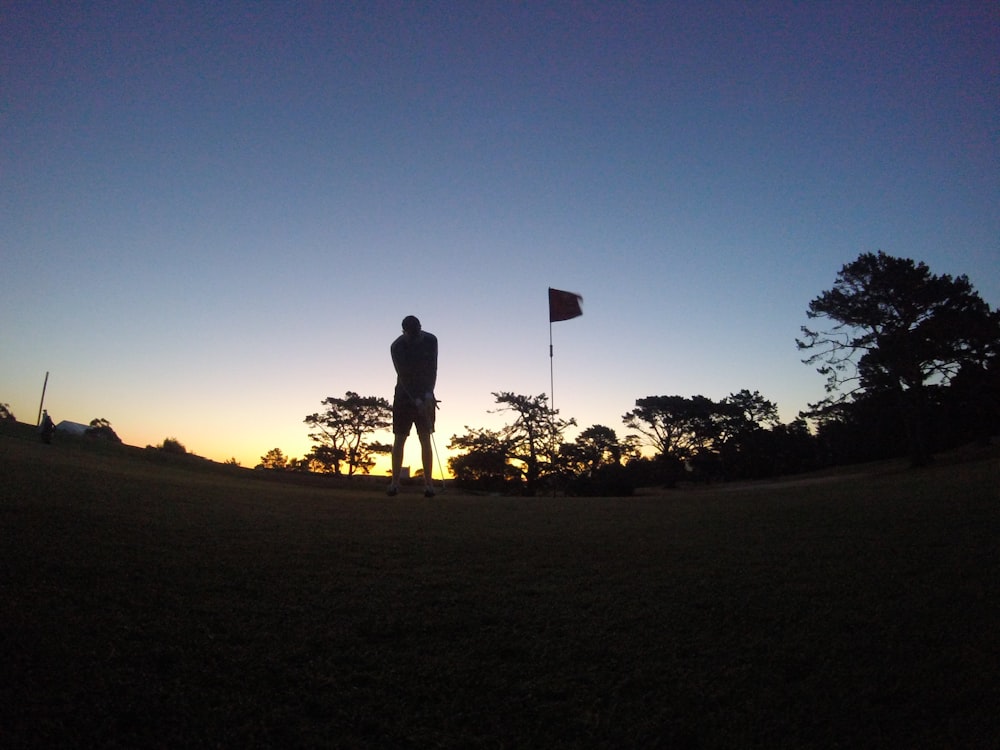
pixel 325 459
pixel 746 437
pixel 484 463
pixel 675 427
pixel 273 460
pixel 897 328
pixel 344 430
pixel 528 447
pixel 593 463
pixel 101 428
pixel 710 438
pixel 533 439
pixel 594 448
pixel 745 412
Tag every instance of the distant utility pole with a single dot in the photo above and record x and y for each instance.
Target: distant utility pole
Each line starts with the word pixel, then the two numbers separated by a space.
pixel 42 403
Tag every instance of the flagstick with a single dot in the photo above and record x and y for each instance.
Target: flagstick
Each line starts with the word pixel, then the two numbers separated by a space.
pixel 552 381
pixel 46 385
pixel 552 385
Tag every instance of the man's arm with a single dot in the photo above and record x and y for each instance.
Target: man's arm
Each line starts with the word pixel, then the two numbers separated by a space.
pixel 432 376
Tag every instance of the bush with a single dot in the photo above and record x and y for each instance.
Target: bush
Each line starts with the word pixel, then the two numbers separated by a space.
pixel 100 429
pixel 172 445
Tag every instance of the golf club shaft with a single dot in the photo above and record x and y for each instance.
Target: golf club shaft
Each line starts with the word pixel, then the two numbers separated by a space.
pixel 438 457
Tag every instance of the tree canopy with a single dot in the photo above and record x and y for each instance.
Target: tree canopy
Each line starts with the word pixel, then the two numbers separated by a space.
pixel 525 451
pixel 273 460
pixel 101 428
pixel 342 431
pixel 897 327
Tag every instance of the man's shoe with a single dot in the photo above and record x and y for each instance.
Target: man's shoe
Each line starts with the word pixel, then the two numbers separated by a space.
pixel 393 490
pixel 429 492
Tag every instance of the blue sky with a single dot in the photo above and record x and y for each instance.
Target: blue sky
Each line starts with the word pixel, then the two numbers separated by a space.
pixel 212 216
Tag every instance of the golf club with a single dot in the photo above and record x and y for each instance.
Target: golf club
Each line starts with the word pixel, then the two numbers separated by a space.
pixel 438 457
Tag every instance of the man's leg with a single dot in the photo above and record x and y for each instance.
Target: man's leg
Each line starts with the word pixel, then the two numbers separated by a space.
pixel 398 443
pixel 427 457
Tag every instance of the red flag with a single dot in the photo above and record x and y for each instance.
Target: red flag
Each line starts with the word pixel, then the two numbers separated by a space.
pixel 563 305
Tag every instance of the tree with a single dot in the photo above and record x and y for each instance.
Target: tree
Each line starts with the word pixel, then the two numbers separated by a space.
pixel 862 429
pixel 897 328
pixel 793 448
pixel 6 415
pixel 730 438
pixel 594 448
pixel 974 396
pixel 526 450
pixel 273 460
pixel 172 445
pixel 101 428
pixel 593 463
pixel 533 440
pixel 484 464
pixel 325 459
pixel 748 412
pixel 674 426
pixel 744 444
pixel 345 426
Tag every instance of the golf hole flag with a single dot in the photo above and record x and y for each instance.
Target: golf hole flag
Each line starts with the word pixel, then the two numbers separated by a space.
pixel 563 305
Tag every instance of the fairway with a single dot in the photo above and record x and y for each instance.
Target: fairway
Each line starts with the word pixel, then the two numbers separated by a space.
pixel 149 603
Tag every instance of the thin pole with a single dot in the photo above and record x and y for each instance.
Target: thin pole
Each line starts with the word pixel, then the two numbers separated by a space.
pixel 552 381
pixel 552 385
pixel 438 457
pixel 46 385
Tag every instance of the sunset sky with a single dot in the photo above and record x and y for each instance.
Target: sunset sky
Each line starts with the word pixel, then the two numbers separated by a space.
pixel 214 215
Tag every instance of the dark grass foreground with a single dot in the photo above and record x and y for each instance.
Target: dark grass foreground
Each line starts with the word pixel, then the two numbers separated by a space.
pixel 155 605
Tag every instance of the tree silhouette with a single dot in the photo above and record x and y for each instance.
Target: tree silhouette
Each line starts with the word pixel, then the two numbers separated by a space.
pixel 534 438
pixel 525 451
pixel 675 426
pixel 898 328
pixel 594 448
pixel 746 438
pixel 344 429
pixel 325 459
pixel 274 460
pixel 592 463
pixel 101 428
pixel 172 445
pixel 484 463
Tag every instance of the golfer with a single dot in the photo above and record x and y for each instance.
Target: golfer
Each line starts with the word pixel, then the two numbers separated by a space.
pixel 414 355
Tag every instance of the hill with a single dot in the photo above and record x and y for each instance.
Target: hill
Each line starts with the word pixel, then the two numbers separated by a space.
pixel 151 603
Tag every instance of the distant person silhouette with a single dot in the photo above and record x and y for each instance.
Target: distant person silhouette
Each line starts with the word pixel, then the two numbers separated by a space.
pixel 414 355
pixel 46 428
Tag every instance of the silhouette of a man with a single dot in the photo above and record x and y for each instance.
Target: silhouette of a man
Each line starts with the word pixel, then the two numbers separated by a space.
pixel 414 355
pixel 46 427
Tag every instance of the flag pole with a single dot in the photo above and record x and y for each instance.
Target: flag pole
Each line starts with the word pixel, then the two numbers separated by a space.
pixel 562 306
pixel 46 385
pixel 552 380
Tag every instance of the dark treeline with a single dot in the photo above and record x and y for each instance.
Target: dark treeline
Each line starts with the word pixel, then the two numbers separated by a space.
pixel 697 439
pixel 911 366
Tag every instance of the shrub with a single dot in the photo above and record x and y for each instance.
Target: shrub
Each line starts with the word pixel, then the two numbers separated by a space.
pixel 172 445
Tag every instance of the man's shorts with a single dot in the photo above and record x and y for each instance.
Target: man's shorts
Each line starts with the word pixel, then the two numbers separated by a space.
pixel 405 414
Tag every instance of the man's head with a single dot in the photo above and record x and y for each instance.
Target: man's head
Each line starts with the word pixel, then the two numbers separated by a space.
pixel 411 325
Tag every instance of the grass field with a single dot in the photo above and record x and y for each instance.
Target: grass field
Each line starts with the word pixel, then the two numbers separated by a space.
pixel 153 604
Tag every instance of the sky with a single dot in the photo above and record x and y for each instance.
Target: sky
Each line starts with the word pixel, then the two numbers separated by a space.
pixel 215 215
